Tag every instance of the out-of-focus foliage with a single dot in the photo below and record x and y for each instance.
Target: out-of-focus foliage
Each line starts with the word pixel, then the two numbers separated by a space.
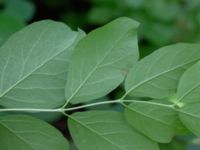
pixel 13 16
pixel 8 25
pixel 162 21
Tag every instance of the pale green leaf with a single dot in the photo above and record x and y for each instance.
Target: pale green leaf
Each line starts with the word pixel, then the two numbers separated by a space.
pixel 27 133
pixel 33 65
pixel 189 85
pixel 106 130
pixel 190 116
pixel 101 59
pixel 156 121
pixel 188 95
pixel 157 75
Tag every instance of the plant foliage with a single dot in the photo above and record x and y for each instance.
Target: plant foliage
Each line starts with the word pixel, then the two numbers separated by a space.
pixel 47 68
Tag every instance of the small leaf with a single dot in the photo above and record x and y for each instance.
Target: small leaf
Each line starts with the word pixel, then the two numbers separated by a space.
pixel 156 121
pixel 28 133
pixel 106 130
pixel 100 60
pixel 33 65
pixel 189 85
pixel 157 75
pixel 190 116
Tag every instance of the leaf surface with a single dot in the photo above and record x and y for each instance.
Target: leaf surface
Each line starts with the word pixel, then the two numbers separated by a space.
pixel 189 85
pixel 33 65
pixel 190 116
pixel 101 59
pixel 106 130
pixel 155 120
pixel 28 133
pixel 157 75
pixel 188 95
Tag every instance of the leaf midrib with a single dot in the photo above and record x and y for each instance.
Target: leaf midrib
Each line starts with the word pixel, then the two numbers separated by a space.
pixel 26 76
pixel 155 76
pixel 145 115
pixel 12 132
pixel 189 114
pixel 97 133
pixel 188 92
pixel 95 68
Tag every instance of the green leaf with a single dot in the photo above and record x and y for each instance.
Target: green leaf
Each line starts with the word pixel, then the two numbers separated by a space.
pixel 21 9
pixel 156 121
pixel 174 145
pixel 28 133
pixel 188 94
pixel 33 65
pixel 189 85
pixel 157 75
pixel 106 130
pixel 100 60
pixel 8 25
pixel 190 116
pixel 181 129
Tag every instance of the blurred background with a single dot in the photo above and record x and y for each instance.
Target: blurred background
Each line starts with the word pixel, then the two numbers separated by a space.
pixel 163 22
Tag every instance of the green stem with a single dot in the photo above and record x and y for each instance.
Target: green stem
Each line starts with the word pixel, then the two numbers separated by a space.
pixel 33 110
pixel 63 110
pixel 58 109
pixel 91 105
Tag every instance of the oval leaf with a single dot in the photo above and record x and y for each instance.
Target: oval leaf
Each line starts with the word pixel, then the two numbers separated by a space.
pixel 100 60
pixel 156 121
pixel 157 75
pixel 33 65
pixel 28 133
pixel 106 130
pixel 189 85
pixel 190 116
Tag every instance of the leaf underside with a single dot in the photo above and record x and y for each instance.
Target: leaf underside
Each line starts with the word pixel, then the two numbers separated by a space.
pixel 157 75
pixel 153 120
pixel 28 133
pixel 101 59
pixel 106 130
pixel 33 65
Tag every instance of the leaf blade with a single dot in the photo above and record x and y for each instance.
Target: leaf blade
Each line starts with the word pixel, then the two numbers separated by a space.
pixel 190 116
pixel 156 121
pixel 102 56
pixel 29 68
pixel 189 85
pixel 157 75
pixel 107 130
pixel 25 132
